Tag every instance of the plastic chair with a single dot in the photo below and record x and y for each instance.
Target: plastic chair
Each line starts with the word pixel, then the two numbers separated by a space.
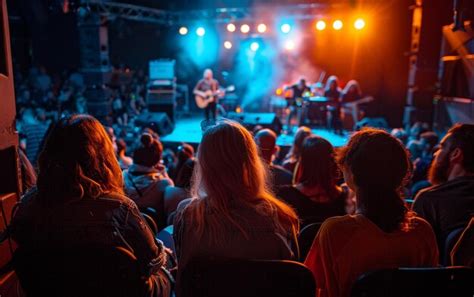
pixel 79 271
pixel 245 278
pixel 420 282
pixel 306 238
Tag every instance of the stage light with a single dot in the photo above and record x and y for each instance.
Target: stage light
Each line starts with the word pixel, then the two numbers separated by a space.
pixel 245 28
pixel 290 45
pixel 285 28
pixel 200 31
pixel 254 46
pixel 228 44
pixel 262 28
pixel 337 25
pixel 359 24
pixel 321 25
pixel 279 91
pixel 231 27
pixel 183 30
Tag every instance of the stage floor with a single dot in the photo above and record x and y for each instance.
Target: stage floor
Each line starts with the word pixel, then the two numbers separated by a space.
pixel 189 130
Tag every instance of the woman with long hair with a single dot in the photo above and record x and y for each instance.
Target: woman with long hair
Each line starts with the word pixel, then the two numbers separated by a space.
pixel 293 155
pixel 382 233
pixel 333 93
pixel 315 195
pixel 79 201
pixel 233 213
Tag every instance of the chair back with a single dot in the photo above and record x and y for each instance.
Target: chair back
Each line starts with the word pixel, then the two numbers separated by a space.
pixel 451 240
pixel 246 278
pixel 306 238
pixel 78 271
pixel 420 282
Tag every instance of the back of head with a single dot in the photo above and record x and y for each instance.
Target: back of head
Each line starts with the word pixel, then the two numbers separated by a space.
pixel 230 172
pixel 462 136
pixel 380 167
pixel 77 161
pixel 266 142
pixel 318 165
pixel 149 153
pixel 300 136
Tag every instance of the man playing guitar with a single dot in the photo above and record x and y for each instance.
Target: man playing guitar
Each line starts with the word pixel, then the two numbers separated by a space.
pixel 296 102
pixel 207 93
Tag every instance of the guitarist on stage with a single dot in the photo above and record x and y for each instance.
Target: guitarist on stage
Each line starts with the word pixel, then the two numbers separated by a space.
pixel 206 84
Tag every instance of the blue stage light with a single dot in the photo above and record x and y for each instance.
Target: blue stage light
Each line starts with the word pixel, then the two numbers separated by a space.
pixel 200 31
pixel 254 46
pixel 285 28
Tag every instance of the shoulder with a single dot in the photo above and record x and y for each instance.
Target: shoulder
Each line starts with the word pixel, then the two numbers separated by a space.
pixel 338 224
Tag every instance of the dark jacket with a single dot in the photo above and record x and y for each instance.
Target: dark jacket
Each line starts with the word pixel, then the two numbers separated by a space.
pixel 111 220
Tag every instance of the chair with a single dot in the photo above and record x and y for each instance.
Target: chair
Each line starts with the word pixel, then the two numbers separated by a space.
pixel 306 238
pixel 449 243
pixel 420 282
pixel 246 278
pixel 78 271
pixel 151 223
pixel 463 251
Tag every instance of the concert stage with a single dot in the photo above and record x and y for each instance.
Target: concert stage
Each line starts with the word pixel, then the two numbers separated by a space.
pixel 189 130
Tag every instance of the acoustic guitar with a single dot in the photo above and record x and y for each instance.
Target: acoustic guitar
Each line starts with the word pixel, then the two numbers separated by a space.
pixel 204 98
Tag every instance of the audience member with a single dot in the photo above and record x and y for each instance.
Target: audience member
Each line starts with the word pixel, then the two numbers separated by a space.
pixel 79 201
pixel 233 214
pixel 382 234
pixel 316 195
pixel 146 179
pixel 293 155
pixel 33 131
pixel 449 203
pixel 183 154
pixel 124 160
pixel 266 142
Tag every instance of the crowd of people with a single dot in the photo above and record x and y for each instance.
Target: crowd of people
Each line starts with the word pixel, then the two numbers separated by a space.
pixel 230 198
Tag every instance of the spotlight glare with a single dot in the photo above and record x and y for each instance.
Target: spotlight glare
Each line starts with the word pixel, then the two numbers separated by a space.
pixel 228 44
pixel 359 24
pixel 200 31
pixel 290 45
pixel 245 28
pixel 285 28
pixel 254 46
pixel 262 28
pixel 321 25
pixel 183 30
pixel 337 25
pixel 231 27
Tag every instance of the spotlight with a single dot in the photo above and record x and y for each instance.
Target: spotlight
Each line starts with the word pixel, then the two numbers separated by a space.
pixel 183 30
pixel 285 28
pixel 290 45
pixel 200 31
pixel 254 46
pixel 321 25
pixel 231 27
pixel 337 25
pixel 245 28
pixel 228 44
pixel 359 24
pixel 262 28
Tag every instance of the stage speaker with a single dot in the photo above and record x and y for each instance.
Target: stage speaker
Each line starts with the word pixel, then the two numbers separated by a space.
pixel 157 121
pixel 380 123
pixel 250 120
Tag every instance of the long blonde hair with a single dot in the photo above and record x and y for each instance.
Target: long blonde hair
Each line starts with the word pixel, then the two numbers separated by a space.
pixel 229 171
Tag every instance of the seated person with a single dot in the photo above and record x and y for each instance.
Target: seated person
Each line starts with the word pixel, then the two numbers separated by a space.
pixel 293 155
pixel 315 195
pixel 449 203
pixel 146 180
pixel 232 214
pixel 266 142
pixel 79 201
pixel 382 233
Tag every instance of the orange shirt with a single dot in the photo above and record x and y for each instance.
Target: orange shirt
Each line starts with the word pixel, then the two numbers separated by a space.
pixel 348 246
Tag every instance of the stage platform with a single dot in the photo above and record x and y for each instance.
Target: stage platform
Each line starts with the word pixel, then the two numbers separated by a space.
pixel 188 129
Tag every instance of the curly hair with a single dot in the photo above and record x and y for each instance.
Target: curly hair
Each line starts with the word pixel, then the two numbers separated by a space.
pixel 77 161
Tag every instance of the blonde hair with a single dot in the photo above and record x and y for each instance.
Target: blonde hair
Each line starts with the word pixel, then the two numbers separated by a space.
pixel 229 171
pixel 352 83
